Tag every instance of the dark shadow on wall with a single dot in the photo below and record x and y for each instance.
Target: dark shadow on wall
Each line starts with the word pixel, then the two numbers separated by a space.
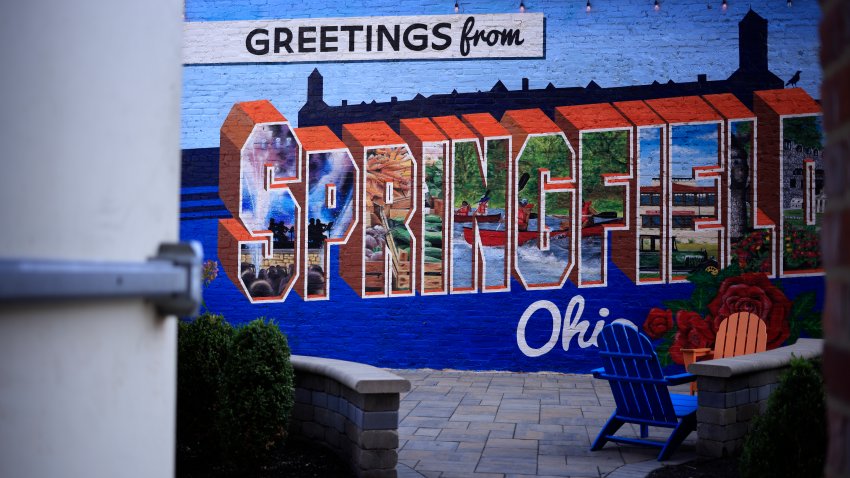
pixel 199 185
pixel 199 167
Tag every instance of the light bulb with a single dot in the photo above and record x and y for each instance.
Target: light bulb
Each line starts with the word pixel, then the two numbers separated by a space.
pixel 587 8
pixel 657 6
pixel 724 6
pixel 457 7
pixel 521 7
pixel 790 3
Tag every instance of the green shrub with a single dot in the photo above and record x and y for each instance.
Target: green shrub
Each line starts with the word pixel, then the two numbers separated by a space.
pixel 260 389
pixel 235 390
pixel 203 348
pixel 790 438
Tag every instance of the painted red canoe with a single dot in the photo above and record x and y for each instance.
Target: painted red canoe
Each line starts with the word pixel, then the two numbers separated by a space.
pixel 485 218
pixel 490 237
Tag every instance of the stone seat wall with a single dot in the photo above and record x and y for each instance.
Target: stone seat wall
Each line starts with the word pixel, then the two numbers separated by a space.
pixel 351 408
pixel 732 391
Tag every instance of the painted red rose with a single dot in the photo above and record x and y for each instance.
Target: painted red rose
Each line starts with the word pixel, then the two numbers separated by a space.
pixel 658 322
pixel 694 332
pixel 753 292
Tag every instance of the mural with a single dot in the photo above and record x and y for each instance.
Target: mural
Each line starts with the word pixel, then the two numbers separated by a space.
pixel 505 228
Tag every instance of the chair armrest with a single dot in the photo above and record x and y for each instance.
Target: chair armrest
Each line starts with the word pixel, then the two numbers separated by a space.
pixel 680 378
pixel 597 371
pixel 690 356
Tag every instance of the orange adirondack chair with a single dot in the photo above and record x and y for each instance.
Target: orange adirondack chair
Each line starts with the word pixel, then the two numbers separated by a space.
pixel 739 334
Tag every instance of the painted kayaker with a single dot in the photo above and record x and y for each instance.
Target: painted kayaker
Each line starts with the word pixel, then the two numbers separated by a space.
pixel 587 213
pixel 481 210
pixel 523 214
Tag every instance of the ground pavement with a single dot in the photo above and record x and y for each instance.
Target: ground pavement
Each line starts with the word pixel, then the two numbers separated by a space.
pixel 514 425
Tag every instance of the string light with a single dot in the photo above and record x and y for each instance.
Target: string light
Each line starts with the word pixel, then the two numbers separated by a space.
pixel 724 6
pixel 457 7
pixel 657 6
pixel 587 8
pixel 521 7
pixel 790 3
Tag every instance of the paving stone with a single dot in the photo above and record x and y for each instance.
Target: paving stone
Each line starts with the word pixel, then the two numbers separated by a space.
pixel 431 445
pixel 477 447
pixel 432 422
pixel 431 474
pixel 518 416
pixel 477 409
pixel 464 462
pixel 465 435
pixel 597 459
pixel 506 424
pixel 472 418
pixel 503 464
pixel 553 449
pixel 551 465
pixel 538 431
pixel 510 443
pixel 451 474
pixel 506 427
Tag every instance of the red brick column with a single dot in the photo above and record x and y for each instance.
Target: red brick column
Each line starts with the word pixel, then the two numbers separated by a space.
pixel 835 97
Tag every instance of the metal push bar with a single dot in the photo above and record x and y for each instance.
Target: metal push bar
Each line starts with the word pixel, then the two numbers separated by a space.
pixel 171 280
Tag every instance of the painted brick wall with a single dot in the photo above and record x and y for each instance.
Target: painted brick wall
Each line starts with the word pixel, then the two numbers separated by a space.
pixel 675 185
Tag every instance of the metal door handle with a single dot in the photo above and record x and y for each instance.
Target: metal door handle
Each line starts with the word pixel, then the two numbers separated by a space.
pixel 171 280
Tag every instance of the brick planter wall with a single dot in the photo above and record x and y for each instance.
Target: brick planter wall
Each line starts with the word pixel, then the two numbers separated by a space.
pixel 734 390
pixel 352 409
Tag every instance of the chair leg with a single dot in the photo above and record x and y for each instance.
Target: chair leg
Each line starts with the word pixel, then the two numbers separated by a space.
pixel 610 427
pixel 685 427
pixel 644 431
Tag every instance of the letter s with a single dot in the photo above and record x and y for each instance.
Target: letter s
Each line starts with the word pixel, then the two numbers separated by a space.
pixel 447 40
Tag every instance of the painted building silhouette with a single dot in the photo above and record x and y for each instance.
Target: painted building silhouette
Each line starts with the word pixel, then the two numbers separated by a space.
pixel 752 74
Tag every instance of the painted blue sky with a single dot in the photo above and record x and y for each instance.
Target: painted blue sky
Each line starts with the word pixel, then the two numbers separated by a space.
pixel 692 146
pixel 620 43
pixel 650 151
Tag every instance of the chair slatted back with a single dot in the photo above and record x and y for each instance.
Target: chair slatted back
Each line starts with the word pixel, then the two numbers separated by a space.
pixel 634 373
pixel 739 334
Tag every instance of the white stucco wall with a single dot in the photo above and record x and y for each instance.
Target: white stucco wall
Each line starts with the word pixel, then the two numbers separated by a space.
pixel 90 96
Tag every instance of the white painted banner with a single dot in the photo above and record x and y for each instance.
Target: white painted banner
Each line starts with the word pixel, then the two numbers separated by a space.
pixel 429 37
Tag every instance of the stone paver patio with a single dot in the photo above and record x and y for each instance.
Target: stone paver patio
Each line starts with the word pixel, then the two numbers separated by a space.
pixel 514 425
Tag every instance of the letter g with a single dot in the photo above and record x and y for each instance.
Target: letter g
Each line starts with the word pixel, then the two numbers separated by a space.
pixel 260 46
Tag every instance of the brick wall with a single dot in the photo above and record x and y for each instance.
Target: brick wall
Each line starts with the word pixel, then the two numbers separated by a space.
pixel 538 302
pixel 835 45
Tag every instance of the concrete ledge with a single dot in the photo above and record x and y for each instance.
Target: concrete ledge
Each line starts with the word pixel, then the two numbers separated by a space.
pixel 746 364
pixel 359 377
pixel 733 391
pixel 351 408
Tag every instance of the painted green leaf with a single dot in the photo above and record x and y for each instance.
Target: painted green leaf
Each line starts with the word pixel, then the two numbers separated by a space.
pixel 813 327
pixel 802 303
pixel 701 297
pixel 678 304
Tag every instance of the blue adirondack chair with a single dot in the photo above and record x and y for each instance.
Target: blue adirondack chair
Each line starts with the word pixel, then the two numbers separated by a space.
pixel 640 391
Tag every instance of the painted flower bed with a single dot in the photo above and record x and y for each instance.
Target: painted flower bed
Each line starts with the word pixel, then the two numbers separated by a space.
pixel 693 322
